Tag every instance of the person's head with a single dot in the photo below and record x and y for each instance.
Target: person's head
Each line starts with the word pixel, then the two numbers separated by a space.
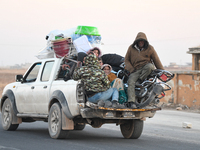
pixel 106 68
pixel 100 61
pixel 96 51
pixel 81 56
pixel 141 43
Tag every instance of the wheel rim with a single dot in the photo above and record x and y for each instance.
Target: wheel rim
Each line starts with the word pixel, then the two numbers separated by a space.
pixel 54 121
pixel 7 115
pixel 127 127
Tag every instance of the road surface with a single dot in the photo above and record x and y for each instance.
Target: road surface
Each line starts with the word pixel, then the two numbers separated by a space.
pixel 162 132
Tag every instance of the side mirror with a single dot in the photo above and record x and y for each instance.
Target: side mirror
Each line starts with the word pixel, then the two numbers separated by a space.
pixel 19 78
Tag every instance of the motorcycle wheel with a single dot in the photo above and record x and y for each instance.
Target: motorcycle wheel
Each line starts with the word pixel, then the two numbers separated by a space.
pixel 146 100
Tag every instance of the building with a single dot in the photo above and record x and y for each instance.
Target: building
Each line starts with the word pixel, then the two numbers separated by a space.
pixel 195 51
pixel 186 84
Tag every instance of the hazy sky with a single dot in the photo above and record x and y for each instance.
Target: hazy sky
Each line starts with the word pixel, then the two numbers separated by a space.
pixel 171 26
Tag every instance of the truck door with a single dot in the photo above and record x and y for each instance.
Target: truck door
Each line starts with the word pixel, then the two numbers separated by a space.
pixel 24 91
pixel 42 88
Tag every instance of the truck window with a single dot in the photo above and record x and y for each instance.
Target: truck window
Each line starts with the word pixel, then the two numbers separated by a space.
pixel 32 75
pixel 47 71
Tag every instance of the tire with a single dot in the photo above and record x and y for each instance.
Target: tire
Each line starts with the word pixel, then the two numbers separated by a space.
pixel 147 101
pixel 7 115
pixel 132 129
pixel 79 127
pixel 55 123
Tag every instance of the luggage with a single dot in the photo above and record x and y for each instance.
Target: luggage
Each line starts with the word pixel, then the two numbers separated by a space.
pixel 58 44
pixel 91 33
pixel 61 47
pixel 114 60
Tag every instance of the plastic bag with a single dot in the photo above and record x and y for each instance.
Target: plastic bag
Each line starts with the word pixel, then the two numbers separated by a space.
pixel 46 52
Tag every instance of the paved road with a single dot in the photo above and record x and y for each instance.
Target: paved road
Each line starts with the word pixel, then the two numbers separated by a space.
pixel 163 132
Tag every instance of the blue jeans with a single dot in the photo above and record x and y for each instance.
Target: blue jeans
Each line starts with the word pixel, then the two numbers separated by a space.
pixel 111 94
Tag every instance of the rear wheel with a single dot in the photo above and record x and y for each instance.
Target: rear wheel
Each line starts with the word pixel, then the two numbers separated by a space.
pixel 7 116
pixel 132 129
pixel 55 122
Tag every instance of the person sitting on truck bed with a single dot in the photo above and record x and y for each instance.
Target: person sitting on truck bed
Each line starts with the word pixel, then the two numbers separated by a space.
pixel 67 66
pixel 115 83
pixel 96 83
pixel 64 70
pixel 96 51
pixel 81 57
pixel 100 61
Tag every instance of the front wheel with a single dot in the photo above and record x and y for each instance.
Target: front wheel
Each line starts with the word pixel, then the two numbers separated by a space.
pixel 55 122
pixel 7 116
pixel 132 129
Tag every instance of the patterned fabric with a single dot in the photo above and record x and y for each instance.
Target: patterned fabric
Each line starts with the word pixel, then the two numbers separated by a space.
pixel 93 78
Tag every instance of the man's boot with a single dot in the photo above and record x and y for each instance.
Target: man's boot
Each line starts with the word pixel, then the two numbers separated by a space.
pixel 115 104
pixel 101 103
pixel 132 105
pixel 108 104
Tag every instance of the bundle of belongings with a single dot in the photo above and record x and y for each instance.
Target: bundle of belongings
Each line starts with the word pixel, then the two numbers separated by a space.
pixel 71 41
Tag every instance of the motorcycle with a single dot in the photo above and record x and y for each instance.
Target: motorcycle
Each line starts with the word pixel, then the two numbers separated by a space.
pixel 152 89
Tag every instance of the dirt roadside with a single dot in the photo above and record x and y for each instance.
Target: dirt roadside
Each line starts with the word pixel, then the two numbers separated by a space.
pixel 8 76
pixel 179 107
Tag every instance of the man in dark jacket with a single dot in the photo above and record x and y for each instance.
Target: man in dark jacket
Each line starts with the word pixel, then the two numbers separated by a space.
pixel 140 60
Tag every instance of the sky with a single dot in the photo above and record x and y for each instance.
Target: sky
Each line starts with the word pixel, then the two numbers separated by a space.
pixel 171 26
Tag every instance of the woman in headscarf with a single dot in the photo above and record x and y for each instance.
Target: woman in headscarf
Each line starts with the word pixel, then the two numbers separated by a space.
pixel 115 83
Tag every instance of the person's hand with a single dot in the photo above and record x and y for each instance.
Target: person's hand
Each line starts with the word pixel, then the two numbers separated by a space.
pixel 65 66
pixel 79 64
pixel 65 56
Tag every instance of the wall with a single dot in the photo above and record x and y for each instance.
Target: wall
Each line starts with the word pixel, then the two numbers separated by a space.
pixel 195 61
pixel 185 89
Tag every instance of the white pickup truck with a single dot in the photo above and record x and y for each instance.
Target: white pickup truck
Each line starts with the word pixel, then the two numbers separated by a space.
pixel 42 95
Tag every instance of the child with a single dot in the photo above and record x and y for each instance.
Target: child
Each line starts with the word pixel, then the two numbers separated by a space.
pixel 115 82
pixel 96 51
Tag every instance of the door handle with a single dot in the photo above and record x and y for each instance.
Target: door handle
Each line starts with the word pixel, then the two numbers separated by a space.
pixel 45 87
pixel 32 87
